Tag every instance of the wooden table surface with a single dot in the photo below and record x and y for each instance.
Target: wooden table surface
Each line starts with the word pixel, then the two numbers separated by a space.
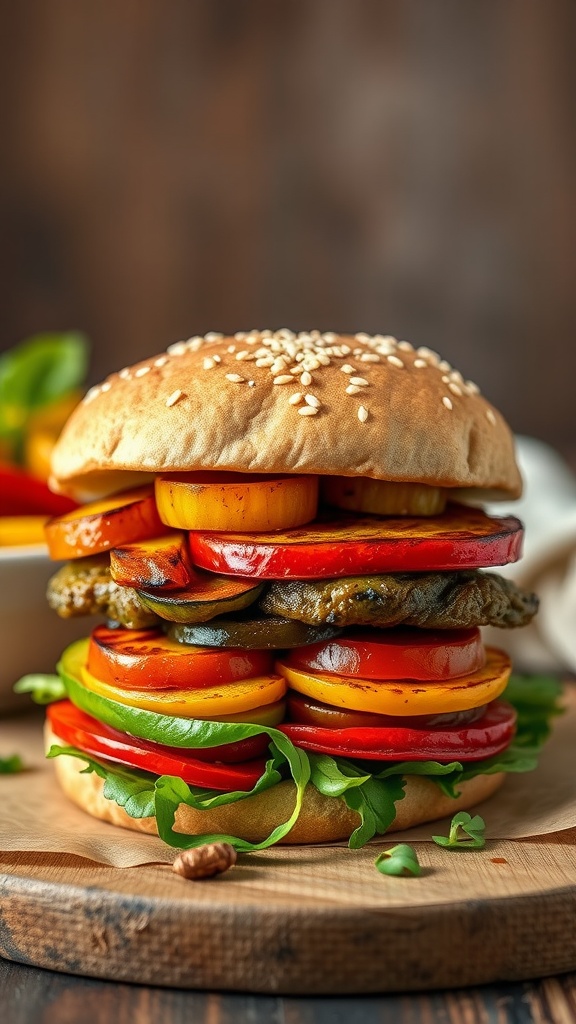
pixel 29 995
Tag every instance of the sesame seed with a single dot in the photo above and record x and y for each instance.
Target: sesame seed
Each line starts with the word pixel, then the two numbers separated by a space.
pixel 446 401
pixel 363 337
pixel 420 364
pixel 125 373
pixel 231 349
pixel 490 417
pixel 161 361
pixel 217 358
pixel 444 365
pixel 240 336
pixel 214 336
pixel 405 346
pixel 91 395
pixel 105 386
pixel 261 353
pixel 330 337
pixel 347 368
pixel 345 350
pixel 455 389
pixel 472 387
pixel 295 398
pixel 360 382
pixel 235 378
pixel 208 363
pixel 308 410
pixel 251 383
pixel 395 361
pixel 193 344
pixel 313 401
pixel 143 370
pixel 362 414
pixel 295 370
pixel 369 357
pixel 445 378
pixel 265 361
pixel 323 359
pixel 353 389
pixel 310 363
pixel 178 349
pixel 284 378
pixel 174 397
pixel 306 379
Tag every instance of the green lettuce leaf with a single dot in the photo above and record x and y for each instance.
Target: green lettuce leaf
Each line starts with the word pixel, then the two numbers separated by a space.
pixel 43 688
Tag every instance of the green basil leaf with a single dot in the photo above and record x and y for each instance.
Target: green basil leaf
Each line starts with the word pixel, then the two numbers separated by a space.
pixel 42 369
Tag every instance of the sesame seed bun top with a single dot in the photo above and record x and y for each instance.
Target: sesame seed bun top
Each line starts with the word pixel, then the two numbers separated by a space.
pixel 263 402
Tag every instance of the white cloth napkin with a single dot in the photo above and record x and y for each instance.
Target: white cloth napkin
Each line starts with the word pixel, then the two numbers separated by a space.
pixel 548 565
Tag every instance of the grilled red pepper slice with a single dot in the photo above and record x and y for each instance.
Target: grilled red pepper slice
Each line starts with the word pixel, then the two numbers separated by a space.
pixel 346 545
pixel 478 741
pixel 400 653
pixel 206 768
pixel 24 495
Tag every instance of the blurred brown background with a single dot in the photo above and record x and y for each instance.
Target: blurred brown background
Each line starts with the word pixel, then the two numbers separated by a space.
pixel 171 167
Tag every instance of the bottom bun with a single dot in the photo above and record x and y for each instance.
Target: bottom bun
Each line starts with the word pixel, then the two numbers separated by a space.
pixel 322 819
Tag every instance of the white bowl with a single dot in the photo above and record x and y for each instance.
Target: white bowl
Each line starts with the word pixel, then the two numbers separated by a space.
pixel 32 636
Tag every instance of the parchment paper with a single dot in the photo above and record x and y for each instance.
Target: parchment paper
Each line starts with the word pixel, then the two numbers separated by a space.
pixel 36 816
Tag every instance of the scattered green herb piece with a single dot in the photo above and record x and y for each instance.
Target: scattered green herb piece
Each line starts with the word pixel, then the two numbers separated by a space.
pixel 473 829
pixel 43 689
pixel 398 860
pixel 11 765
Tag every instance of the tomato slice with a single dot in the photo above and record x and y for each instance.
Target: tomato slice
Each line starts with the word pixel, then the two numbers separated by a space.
pixel 302 710
pixel 347 545
pixel 395 654
pixel 490 735
pixel 399 697
pixel 146 659
pixel 105 524
pixel 201 702
pixel 80 730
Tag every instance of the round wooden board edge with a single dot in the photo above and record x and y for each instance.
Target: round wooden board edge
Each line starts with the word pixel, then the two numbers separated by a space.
pixel 93 932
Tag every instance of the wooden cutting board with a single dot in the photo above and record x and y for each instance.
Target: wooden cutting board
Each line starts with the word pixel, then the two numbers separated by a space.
pixel 299 921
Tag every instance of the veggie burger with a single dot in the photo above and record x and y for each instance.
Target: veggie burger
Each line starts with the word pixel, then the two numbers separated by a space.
pixel 284 537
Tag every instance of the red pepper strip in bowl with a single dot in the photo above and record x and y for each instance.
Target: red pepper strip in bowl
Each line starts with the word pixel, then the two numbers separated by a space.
pixel 22 494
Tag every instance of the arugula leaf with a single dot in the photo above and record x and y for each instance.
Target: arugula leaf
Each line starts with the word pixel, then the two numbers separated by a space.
pixel 11 765
pixel 144 795
pixel 131 789
pixel 398 860
pixel 43 688
pixel 473 828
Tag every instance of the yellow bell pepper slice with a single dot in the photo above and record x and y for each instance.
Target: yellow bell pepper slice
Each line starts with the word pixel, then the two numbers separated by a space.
pixel 224 501
pixel 201 702
pixel 19 530
pixel 406 697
